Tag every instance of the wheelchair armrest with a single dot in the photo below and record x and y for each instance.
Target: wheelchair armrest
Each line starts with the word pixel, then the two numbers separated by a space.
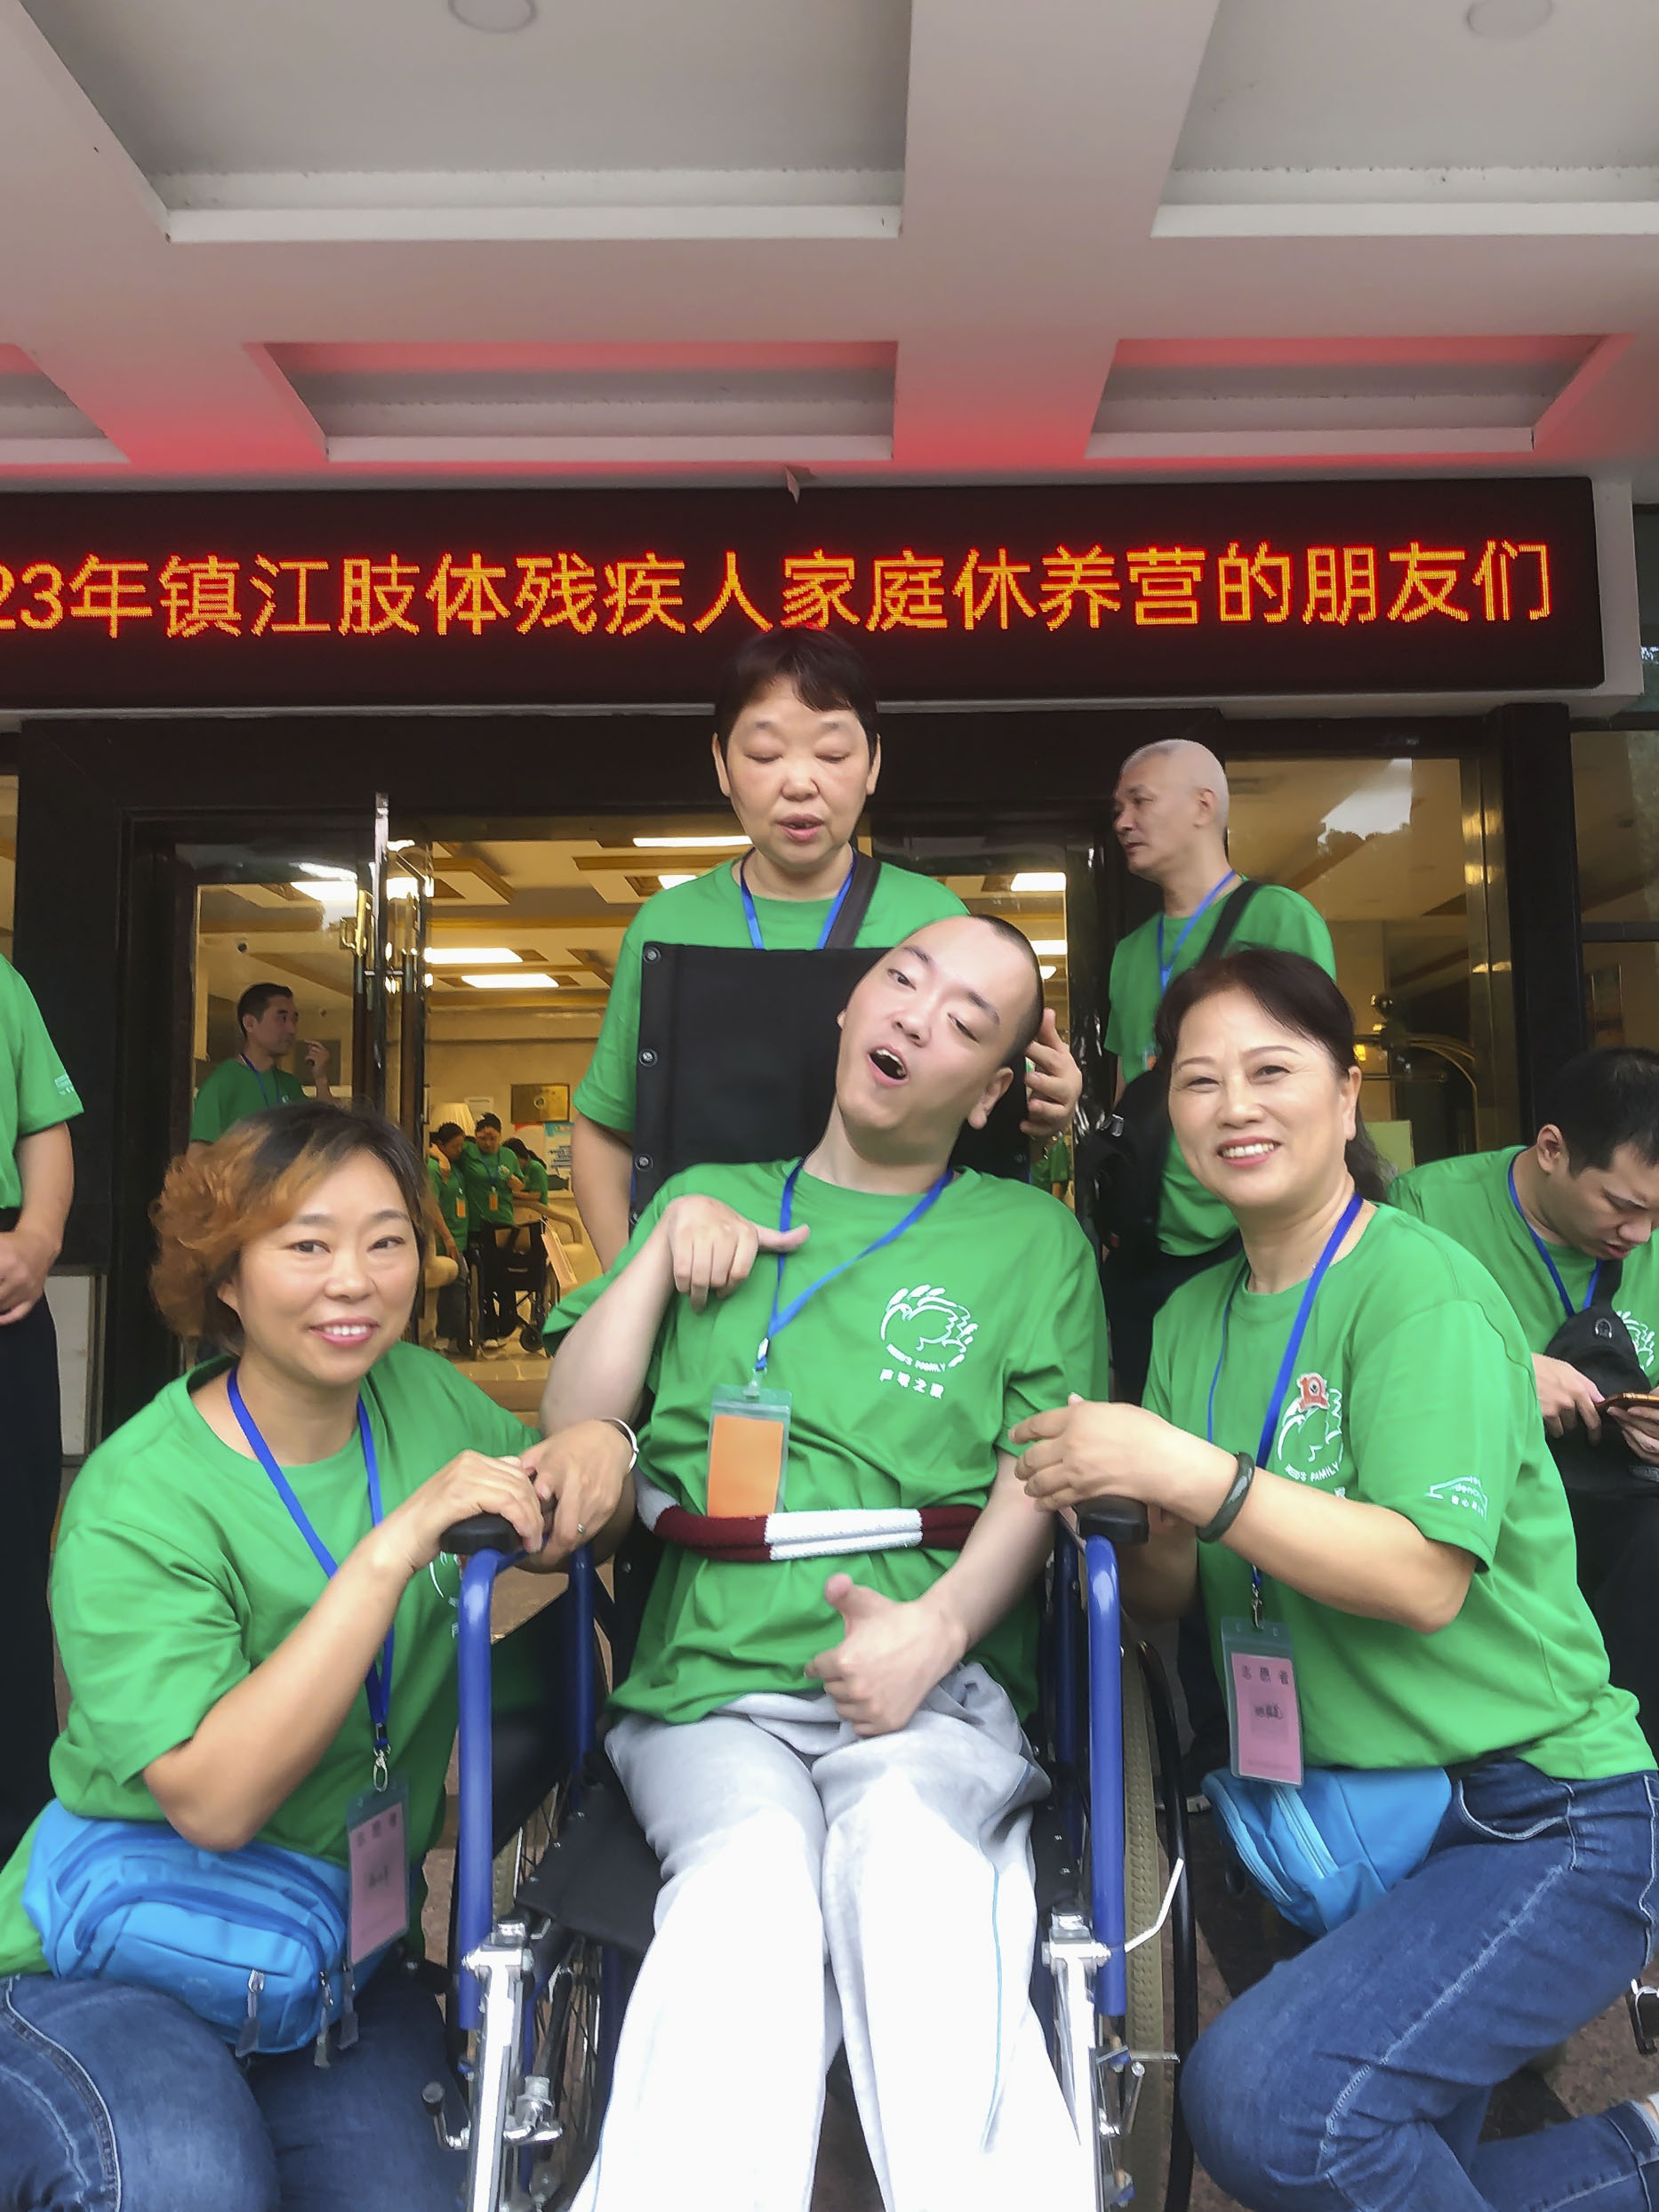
pixel 481 1532
pixel 1121 1520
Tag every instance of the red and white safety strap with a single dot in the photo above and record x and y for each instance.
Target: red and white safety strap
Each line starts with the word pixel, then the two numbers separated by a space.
pixel 761 1536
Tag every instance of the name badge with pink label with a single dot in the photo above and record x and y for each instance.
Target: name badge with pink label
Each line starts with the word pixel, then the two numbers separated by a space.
pixel 1263 1716
pixel 377 1853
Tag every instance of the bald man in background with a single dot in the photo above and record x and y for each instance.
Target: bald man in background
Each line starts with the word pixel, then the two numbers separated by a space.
pixel 1170 814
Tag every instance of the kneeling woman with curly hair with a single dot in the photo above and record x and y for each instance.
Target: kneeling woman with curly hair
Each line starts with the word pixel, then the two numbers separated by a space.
pixel 257 1633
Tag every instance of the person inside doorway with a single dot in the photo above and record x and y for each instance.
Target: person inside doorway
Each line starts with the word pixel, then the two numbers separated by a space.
pixel 449 1196
pixel 827 1762
pixel 37 1103
pixel 1566 1225
pixel 267 1020
pixel 491 1183
pixel 797 752
pixel 1170 811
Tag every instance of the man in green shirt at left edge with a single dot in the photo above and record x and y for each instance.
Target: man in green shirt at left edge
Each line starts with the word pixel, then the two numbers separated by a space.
pixel 267 1019
pixel 38 1102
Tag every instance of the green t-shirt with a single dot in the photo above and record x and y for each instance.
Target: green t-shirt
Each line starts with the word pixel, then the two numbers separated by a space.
pixel 906 1374
pixel 1190 1220
pixel 708 910
pixel 1469 1200
pixel 533 1176
pixel 178 1571
pixel 234 1091
pixel 1413 1391
pixel 449 1189
pixel 34 1092
pixel 1054 1166
pixel 489 1191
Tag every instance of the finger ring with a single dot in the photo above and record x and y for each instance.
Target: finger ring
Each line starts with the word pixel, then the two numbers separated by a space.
pixel 582 1529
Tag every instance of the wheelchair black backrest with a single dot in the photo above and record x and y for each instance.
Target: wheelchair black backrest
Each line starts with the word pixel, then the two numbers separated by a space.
pixel 736 1062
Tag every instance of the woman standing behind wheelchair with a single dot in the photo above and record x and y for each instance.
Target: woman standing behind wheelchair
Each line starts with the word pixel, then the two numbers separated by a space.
pixel 257 1650
pixel 1390 1505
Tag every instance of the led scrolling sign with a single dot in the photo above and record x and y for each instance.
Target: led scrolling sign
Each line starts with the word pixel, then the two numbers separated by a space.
pixel 597 598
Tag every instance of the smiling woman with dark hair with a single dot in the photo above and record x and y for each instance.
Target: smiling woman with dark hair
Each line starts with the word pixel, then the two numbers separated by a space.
pixel 259 1651
pixel 1341 1447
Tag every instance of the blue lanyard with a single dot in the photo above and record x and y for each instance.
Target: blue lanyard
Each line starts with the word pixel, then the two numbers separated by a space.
pixel 1543 1253
pixel 378 1685
pixel 783 1315
pixel 259 1079
pixel 753 919
pixel 1167 968
pixel 1287 1365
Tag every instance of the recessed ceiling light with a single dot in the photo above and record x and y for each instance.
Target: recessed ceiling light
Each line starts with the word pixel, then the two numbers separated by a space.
pixel 669 882
pixel 494 15
pixel 470 956
pixel 1039 880
pixel 526 980
pixel 1048 944
pixel 690 844
pixel 1508 19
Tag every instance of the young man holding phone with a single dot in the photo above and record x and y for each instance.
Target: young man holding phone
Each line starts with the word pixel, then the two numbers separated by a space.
pixel 1566 1225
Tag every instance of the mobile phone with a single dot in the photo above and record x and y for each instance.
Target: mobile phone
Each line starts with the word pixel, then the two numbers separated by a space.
pixel 1631 1401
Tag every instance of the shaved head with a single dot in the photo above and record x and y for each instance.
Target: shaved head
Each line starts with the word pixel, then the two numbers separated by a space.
pixel 1195 765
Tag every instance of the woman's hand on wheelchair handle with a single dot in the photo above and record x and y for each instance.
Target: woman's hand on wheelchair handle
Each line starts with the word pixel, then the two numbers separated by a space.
pixel 889 1659
pixel 1084 1450
pixel 412 1534
pixel 580 1476
pixel 712 1248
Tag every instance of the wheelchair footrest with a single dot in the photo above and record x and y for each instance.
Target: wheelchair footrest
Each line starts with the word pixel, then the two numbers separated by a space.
pixel 601 1878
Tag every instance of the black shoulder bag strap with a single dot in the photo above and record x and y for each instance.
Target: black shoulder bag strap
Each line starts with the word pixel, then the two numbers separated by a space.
pixel 1227 920
pixel 860 891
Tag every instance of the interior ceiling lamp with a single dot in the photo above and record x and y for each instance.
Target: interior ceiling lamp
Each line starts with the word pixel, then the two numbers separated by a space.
pixel 494 15
pixel 1039 880
pixel 661 844
pixel 525 980
pixel 1048 944
pixel 669 882
pixel 1508 19
pixel 470 955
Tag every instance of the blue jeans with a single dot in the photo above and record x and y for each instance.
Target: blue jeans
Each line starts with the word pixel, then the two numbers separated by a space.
pixel 114 2099
pixel 1355 2077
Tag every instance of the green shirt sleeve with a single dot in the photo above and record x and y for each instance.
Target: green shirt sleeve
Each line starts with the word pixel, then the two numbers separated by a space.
pixel 213 1113
pixel 1442 1374
pixel 1405 1192
pixel 1285 920
pixel 1065 1349
pixel 45 1096
pixel 149 1638
pixel 1115 1040
pixel 605 1093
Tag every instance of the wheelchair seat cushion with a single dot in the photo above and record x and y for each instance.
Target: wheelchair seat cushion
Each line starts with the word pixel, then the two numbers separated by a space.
pixel 601 1878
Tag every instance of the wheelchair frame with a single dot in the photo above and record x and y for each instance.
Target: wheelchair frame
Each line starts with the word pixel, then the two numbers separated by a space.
pixel 513 2115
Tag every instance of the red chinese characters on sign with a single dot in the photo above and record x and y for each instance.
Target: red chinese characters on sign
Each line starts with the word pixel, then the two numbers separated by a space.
pixel 206 596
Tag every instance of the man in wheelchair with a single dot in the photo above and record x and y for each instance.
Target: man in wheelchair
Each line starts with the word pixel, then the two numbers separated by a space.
pixel 830 1765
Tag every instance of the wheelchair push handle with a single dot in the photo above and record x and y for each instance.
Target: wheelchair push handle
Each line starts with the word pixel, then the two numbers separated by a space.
pixel 1121 1520
pixel 481 1532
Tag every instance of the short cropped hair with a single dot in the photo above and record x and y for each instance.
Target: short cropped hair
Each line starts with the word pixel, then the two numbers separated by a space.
pixel 256 998
pixel 1031 1019
pixel 445 1130
pixel 219 1198
pixel 1605 1099
pixel 486 1121
pixel 1204 771
pixel 823 672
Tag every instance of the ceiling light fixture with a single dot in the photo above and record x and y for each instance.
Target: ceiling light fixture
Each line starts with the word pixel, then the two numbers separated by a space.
pixel 1048 944
pixel 496 981
pixel 1508 19
pixel 1046 970
pixel 1039 880
pixel 660 845
pixel 470 956
pixel 494 15
pixel 669 882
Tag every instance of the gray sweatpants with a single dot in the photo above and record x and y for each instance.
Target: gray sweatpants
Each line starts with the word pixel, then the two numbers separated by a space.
pixel 901 1860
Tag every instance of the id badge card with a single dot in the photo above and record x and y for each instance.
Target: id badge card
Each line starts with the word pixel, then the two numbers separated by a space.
pixel 748 1450
pixel 377 1855
pixel 1263 1716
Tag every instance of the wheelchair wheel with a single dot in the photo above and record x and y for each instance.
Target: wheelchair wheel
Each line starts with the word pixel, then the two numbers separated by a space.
pixel 1145 1876
pixel 567 2018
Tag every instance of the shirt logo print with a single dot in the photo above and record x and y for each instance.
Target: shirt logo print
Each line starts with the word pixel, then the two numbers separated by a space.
pixel 925 1333
pixel 1308 1446
pixel 1464 1491
pixel 1642 1337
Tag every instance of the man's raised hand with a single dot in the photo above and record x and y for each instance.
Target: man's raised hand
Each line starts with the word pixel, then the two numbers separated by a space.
pixel 1053 1083
pixel 890 1656
pixel 711 1248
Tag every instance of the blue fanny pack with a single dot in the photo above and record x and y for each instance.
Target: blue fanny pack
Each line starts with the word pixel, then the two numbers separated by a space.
pixel 1325 1851
pixel 255 1942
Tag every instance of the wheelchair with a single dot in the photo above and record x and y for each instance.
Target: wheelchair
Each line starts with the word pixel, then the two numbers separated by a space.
pixel 556 1886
